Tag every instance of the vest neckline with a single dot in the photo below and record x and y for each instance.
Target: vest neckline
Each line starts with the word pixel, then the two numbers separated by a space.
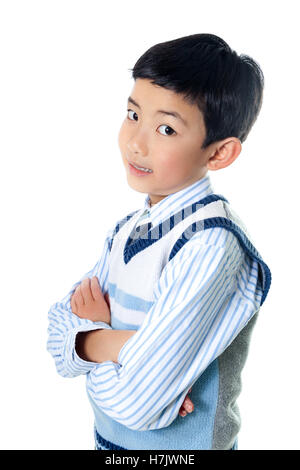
pixel 132 247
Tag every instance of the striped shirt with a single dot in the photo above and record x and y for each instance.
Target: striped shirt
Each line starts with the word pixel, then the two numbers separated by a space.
pixel 203 298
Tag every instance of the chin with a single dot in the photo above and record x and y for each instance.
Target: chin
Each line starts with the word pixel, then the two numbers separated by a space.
pixel 137 187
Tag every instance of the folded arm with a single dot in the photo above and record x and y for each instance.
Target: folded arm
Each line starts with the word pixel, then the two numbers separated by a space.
pixel 186 328
pixel 102 345
pixel 64 325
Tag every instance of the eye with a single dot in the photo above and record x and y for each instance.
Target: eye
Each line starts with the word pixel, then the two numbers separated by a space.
pixel 131 111
pixel 169 129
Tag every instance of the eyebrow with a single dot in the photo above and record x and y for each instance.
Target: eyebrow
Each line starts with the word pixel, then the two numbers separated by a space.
pixel 161 111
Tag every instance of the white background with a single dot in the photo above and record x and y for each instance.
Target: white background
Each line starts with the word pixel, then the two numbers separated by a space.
pixel 64 84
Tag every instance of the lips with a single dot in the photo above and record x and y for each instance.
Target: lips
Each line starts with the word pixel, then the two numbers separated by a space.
pixel 139 167
pixel 139 173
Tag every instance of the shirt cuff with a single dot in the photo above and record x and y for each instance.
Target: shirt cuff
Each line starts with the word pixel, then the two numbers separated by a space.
pixel 74 363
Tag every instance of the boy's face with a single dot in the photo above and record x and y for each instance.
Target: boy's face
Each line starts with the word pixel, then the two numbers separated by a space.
pixel 161 142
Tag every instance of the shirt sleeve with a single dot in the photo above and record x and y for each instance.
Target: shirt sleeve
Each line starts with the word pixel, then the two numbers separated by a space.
pixel 63 324
pixel 198 311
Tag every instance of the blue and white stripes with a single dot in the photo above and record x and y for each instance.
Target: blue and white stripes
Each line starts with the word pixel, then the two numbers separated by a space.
pixel 202 298
pixel 196 315
pixel 64 325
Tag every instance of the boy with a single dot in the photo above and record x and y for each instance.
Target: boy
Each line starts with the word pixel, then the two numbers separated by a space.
pixel 170 306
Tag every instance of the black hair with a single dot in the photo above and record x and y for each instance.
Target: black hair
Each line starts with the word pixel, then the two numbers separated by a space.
pixel 227 87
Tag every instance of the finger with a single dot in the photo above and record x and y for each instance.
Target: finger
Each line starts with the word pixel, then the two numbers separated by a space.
pixel 78 296
pixel 86 291
pixel 188 405
pixel 96 289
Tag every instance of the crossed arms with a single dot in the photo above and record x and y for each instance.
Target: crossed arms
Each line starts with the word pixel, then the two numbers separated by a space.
pixel 102 345
pixel 97 345
pixel 143 384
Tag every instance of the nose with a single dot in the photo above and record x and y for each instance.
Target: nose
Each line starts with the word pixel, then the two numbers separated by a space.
pixel 137 144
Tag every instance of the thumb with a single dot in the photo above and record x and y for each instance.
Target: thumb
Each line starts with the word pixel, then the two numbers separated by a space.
pixel 96 289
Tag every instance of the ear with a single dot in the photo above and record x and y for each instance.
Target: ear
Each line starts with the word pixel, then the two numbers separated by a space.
pixel 225 152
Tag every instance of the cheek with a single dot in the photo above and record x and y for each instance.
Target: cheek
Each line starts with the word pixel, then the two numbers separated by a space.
pixel 172 164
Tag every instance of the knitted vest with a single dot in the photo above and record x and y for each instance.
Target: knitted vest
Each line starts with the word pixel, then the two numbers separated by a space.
pixel 215 421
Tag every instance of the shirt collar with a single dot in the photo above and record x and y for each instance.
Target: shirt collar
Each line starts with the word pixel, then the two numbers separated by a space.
pixel 177 201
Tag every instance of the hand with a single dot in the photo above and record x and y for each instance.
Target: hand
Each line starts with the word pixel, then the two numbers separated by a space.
pixel 88 301
pixel 185 405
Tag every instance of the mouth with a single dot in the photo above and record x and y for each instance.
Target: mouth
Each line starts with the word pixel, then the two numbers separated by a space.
pixel 139 170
